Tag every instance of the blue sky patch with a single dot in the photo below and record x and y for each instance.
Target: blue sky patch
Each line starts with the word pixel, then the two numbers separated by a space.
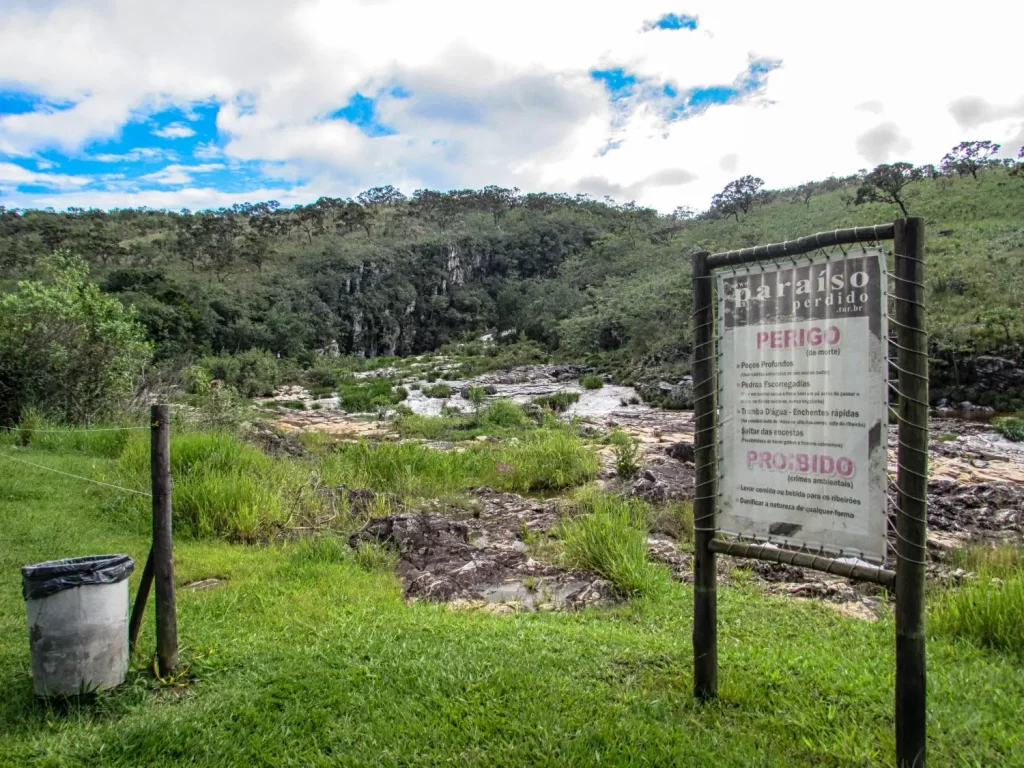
pixel 672 21
pixel 619 83
pixel 361 111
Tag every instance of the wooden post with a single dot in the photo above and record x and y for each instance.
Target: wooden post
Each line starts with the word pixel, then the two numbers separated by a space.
pixel 139 606
pixel 705 579
pixel 912 486
pixel 163 545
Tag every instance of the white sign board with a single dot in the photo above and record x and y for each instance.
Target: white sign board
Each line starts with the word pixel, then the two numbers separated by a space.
pixel 802 406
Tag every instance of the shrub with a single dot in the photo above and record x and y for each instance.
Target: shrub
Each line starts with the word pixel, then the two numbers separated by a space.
pixel 66 349
pixel 627 453
pixel 557 401
pixel 254 373
pixel 1010 427
pixel 591 382
pixel 610 539
pixel 442 391
pixel 296 405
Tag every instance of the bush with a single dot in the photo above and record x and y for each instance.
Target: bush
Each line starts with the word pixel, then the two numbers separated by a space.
pixel 442 391
pixel 254 373
pixel 557 401
pixel 627 453
pixel 610 539
pixel 66 349
pixel 1010 427
pixel 591 382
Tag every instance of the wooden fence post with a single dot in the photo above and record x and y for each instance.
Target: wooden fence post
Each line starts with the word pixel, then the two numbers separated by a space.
pixel 705 577
pixel 163 544
pixel 912 486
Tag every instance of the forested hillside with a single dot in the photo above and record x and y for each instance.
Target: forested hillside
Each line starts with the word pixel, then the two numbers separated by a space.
pixel 387 274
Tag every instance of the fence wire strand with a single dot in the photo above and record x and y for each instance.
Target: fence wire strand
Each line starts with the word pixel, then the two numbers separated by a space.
pixel 76 477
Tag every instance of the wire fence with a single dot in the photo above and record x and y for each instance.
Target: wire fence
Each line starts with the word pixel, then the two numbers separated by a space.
pixel 71 432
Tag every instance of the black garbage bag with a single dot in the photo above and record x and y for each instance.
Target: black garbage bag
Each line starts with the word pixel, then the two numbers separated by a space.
pixel 45 579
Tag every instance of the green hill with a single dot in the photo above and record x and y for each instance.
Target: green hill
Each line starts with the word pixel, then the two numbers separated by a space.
pixel 388 275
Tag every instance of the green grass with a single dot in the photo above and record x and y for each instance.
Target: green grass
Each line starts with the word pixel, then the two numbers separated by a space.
pixel 541 461
pixel 222 487
pixel 1010 427
pixel 440 391
pixel 557 401
pixel 315 660
pixel 500 418
pixel 610 539
pixel 591 382
pixel 989 612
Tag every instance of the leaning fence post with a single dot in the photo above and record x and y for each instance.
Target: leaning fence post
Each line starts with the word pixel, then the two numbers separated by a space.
pixel 139 606
pixel 163 546
pixel 912 485
pixel 705 578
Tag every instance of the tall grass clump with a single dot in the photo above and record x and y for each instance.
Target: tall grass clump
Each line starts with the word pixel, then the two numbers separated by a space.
pixel 438 391
pixel 542 461
pixel 222 486
pixel 610 539
pixel 104 440
pixel 557 401
pixel 590 381
pixel 504 413
pixel 1010 427
pixel 989 612
pixel 404 469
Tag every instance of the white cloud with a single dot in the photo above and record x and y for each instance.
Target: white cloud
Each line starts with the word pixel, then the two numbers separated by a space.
pixel 132 156
pixel 499 96
pixel 174 131
pixel 174 175
pixel 14 175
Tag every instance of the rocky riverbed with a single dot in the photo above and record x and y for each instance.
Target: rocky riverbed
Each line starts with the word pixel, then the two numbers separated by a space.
pixel 975 492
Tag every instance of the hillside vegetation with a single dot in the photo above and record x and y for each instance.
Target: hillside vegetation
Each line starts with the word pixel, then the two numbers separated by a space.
pixel 391 275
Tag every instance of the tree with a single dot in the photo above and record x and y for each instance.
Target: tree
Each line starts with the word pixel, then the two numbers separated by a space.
pixel 739 195
pixel 310 219
pixel 66 349
pixel 499 200
pixel 887 184
pixel 969 157
pixel 804 193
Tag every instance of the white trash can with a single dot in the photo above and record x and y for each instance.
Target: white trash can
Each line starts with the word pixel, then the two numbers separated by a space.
pixel 78 623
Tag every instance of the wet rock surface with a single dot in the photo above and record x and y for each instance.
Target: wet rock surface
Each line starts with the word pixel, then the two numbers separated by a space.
pixel 485 559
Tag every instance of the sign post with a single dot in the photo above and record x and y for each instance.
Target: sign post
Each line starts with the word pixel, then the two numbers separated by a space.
pixel 791 413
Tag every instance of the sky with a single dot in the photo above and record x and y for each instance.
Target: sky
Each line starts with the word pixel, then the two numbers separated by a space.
pixel 197 104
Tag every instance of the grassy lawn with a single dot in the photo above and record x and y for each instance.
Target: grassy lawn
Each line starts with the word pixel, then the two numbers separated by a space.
pixel 300 661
